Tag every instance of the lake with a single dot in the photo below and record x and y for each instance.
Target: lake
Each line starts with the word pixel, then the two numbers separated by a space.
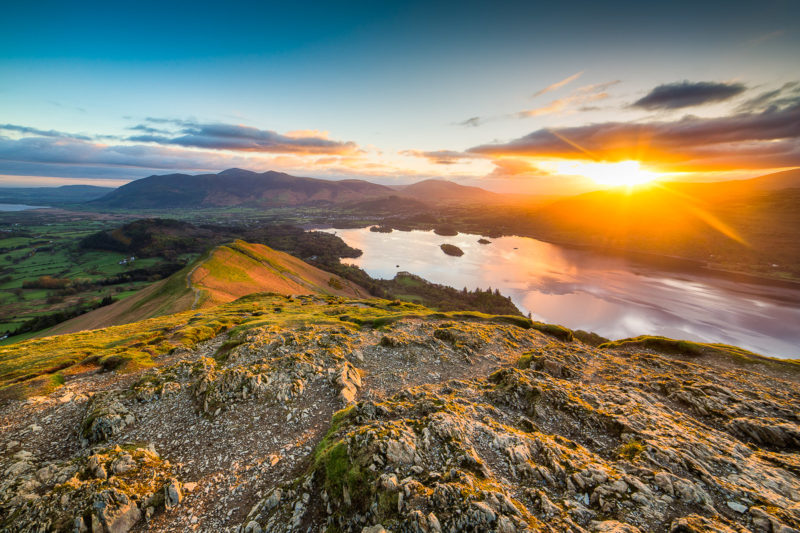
pixel 20 207
pixel 580 289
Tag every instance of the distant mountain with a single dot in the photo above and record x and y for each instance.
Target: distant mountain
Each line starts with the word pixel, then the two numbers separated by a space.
pixel 237 187
pixel 442 191
pixel 788 179
pixel 66 194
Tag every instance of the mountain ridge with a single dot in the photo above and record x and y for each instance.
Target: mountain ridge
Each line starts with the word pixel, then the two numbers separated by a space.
pixel 225 273
pixel 238 187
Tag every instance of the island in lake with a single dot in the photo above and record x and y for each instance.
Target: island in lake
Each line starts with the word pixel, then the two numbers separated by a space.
pixel 451 249
pixel 381 229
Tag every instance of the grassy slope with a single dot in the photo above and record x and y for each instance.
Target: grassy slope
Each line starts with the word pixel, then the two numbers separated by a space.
pixel 243 268
pixel 223 275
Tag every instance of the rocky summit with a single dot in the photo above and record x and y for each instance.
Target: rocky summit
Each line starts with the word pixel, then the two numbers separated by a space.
pixel 296 414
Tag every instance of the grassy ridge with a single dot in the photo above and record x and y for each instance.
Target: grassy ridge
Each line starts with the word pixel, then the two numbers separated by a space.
pixel 698 349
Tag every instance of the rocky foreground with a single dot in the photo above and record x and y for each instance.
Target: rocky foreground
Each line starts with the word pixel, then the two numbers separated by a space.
pixel 426 423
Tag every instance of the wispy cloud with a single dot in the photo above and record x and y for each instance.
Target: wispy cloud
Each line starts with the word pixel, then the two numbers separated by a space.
pixel 472 122
pixel 27 130
pixel 144 128
pixel 787 94
pixel 765 37
pixel 688 94
pixel 559 84
pixel 577 100
pixel 579 97
pixel 441 157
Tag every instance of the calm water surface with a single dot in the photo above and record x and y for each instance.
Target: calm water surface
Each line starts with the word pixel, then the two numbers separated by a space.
pixel 612 296
pixel 19 207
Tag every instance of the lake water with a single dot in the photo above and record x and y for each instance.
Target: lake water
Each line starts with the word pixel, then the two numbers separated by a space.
pixel 19 207
pixel 609 295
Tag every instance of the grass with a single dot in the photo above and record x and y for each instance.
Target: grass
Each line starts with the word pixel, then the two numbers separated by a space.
pixel 331 457
pixel 34 248
pixel 631 450
pixel 699 349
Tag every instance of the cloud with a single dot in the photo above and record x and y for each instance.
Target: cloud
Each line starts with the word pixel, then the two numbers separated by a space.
pixel 149 129
pixel 70 151
pixel 765 37
pixel 45 153
pixel 745 140
pixel 559 84
pixel 472 122
pixel 246 139
pixel 580 97
pixel 441 157
pixel 688 94
pixel 42 133
pixel 510 167
pixel 787 94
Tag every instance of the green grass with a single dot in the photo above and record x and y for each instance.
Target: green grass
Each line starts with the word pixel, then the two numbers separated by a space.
pixel 631 450
pixel 51 249
pixel 699 349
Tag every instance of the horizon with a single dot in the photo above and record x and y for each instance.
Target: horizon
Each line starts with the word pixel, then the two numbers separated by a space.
pixel 51 182
pixel 516 99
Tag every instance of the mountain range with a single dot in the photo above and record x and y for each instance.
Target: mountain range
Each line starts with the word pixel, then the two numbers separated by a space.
pixel 237 187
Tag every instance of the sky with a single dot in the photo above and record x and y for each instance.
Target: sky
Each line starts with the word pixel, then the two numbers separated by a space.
pixel 527 97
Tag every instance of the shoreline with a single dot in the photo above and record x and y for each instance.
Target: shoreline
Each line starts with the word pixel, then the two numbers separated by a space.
pixel 671 262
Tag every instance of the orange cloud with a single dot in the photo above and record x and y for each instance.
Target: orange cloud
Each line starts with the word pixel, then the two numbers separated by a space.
pixel 557 85
pixel 769 139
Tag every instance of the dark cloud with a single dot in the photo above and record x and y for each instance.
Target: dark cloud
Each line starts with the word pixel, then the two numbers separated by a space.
pixel 746 139
pixel 245 139
pixel 83 154
pixel 472 122
pixel 688 94
pixel 41 133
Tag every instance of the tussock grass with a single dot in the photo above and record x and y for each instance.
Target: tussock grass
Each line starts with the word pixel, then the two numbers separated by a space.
pixel 699 349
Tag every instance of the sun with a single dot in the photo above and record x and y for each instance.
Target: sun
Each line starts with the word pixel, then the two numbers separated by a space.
pixel 622 173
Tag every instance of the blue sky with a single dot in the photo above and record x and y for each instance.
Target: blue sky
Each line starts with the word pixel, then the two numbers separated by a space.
pixel 396 92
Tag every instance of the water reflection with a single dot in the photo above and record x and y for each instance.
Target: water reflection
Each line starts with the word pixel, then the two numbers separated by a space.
pixel 581 290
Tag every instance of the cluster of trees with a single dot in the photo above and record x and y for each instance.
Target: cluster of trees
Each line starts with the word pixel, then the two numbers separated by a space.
pixel 46 282
pixel 51 319
pixel 407 286
pixel 168 238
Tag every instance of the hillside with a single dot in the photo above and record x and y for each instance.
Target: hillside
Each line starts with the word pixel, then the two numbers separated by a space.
pixel 443 192
pixel 65 194
pixel 236 187
pixel 228 272
pixel 747 226
pixel 322 413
